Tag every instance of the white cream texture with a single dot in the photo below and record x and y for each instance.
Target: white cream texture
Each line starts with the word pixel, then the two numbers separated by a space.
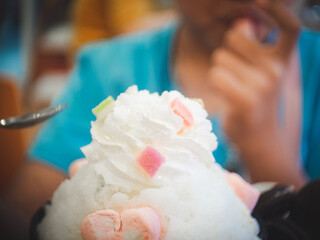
pixel 189 191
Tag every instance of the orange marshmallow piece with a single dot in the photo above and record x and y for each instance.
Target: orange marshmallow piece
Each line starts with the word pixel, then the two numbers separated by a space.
pixel 248 194
pixel 76 165
pixel 150 160
pixel 101 225
pixel 143 222
pixel 182 111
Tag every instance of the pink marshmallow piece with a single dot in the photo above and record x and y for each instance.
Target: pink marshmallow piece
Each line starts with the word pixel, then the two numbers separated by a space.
pixel 248 194
pixel 144 222
pixel 150 160
pixel 76 165
pixel 101 225
pixel 182 111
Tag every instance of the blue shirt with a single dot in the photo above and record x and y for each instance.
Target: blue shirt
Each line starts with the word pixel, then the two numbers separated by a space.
pixel 144 59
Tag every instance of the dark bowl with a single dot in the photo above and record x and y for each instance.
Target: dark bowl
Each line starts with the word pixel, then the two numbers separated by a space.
pixel 36 220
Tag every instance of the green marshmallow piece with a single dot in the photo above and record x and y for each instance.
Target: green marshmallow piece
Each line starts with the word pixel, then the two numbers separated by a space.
pixel 105 103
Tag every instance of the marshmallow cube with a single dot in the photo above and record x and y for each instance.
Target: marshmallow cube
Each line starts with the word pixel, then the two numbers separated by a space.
pixel 150 160
pixel 182 111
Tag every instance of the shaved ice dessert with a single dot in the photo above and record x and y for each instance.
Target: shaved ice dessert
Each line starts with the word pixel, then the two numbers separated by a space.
pixel 149 173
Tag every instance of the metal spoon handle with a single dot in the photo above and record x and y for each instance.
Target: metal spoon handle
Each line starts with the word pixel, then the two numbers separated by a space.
pixel 32 118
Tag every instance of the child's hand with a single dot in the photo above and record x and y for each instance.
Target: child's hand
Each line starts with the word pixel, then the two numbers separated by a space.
pixel 247 76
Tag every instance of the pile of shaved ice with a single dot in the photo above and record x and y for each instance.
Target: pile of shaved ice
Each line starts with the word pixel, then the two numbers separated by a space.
pixel 188 189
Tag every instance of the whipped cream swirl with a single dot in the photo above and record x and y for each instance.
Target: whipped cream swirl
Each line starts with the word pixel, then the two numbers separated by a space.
pixel 138 119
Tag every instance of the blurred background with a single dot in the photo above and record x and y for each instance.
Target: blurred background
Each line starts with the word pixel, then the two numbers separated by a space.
pixel 39 40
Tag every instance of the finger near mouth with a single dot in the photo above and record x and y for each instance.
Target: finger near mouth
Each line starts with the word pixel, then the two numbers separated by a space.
pixel 260 23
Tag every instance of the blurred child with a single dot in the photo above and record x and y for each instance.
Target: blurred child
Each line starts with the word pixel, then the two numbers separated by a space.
pixel 262 91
